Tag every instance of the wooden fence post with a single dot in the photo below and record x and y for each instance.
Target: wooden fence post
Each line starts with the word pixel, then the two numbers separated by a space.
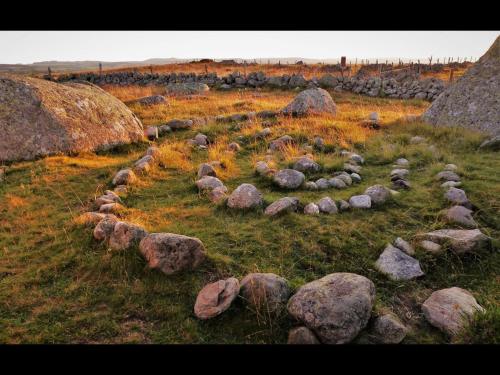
pixel 100 69
pixel 451 75
pixel 50 72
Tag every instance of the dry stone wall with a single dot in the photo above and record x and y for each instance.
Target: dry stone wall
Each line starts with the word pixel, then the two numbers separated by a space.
pixel 402 87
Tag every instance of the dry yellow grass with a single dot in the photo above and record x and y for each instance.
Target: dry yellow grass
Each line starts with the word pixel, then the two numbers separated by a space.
pixel 176 155
pixel 308 71
pixel 218 151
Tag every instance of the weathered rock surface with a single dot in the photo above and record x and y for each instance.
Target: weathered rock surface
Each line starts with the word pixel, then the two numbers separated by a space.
pixel 206 169
pixel 461 216
pixel 397 265
pixel 448 176
pixel 431 247
pixel 472 101
pixel 459 240
pixel 172 253
pixel 104 229
pixel 187 88
pixel 404 246
pixel 289 178
pixel 388 329
pixel 337 183
pixel 283 205
pixel 125 235
pixel 124 177
pixel 360 201
pixel 208 183
pixel 311 101
pixel 379 194
pixel 327 205
pixel 215 298
pixel 457 197
pixel 148 100
pixel 336 307
pixel 304 164
pixel 265 291
pixel 40 118
pixel 245 196
pixel 311 209
pixel 302 336
pixel 450 309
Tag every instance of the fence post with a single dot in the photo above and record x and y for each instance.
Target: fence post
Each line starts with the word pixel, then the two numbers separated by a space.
pixel 50 73
pixel 451 75
pixel 151 69
pixel 100 69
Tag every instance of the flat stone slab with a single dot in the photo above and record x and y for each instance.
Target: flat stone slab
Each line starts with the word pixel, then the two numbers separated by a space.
pixel 360 201
pixel 459 240
pixel 283 205
pixel 397 265
pixel 215 298
pixel 459 215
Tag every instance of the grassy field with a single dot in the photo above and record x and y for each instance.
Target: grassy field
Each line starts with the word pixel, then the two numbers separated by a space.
pixel 58 285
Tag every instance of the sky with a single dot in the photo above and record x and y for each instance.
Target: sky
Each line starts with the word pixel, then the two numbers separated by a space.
pixel 32 46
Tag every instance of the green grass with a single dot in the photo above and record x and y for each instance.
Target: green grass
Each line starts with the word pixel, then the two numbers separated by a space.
pixel 58 285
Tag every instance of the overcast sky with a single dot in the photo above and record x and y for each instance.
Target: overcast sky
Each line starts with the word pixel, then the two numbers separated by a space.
pixel 31 46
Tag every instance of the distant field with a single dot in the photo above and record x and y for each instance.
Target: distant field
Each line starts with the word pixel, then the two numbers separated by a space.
pixel 58 285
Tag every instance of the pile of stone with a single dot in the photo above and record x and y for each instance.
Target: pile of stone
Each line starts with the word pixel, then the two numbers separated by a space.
pixel 393 87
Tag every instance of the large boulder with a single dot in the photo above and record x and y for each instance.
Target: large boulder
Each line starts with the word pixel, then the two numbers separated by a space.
pixel 311 101
pixel 336 307
pixel 450 309
pixel 245 196
pixel 40 118
pixel 472 101
pixel 172 253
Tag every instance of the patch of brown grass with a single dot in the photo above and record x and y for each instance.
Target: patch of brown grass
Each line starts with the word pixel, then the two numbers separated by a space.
pixel 176 155
pixel 218 151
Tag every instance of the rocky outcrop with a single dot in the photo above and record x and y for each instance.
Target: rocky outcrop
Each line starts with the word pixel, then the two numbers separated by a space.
pixel 472 101
pixel 40 118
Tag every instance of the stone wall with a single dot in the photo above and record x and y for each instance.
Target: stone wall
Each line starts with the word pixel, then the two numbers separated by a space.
pixel 403 86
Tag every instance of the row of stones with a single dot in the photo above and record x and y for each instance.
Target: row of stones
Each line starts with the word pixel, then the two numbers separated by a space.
pixel 428 88
pixel 447 309
pixel 215 298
